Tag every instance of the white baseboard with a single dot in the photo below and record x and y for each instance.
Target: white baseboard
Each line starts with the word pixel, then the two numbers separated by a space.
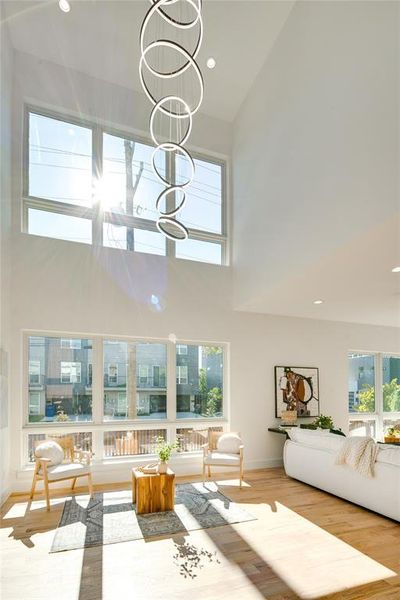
pixel 4 495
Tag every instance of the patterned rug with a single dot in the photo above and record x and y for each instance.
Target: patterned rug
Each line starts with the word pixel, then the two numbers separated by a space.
pixel 110 517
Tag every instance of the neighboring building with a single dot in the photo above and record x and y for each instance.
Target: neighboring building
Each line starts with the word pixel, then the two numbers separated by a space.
pixel 60 379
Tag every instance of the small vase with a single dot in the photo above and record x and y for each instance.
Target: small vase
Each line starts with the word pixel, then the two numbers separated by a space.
pixel 162 466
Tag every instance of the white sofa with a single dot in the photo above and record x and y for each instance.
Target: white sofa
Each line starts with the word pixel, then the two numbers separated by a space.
pixel 310 456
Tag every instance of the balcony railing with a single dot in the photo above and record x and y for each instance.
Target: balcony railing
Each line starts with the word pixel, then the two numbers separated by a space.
pixel 141 382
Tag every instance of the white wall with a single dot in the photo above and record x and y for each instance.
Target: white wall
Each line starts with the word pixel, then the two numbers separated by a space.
pixel 316 155
pixel 61 286
pixel 6 54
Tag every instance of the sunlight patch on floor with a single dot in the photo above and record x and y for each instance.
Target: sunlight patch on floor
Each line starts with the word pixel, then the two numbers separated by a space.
pixel 311 561
pixel 232 483
pixel 16 511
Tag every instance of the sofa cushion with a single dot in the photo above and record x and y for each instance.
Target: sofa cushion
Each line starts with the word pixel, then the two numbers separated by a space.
pixel 316 438
pixel 51 450
pixel 389 455
pixel 229 442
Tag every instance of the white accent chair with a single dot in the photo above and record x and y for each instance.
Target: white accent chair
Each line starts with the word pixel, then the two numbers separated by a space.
pixel 74 463
pixel 225 452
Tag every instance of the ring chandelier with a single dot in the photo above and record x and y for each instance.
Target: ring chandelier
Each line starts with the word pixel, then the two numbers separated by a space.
pixel 179 111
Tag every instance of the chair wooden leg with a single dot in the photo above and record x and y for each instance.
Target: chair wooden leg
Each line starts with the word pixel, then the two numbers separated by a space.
pixel 73 483
pixel 46 491
pixel 209 470
pixel 90 485
pixel 33 486
pixel 204 472
pixel 241 473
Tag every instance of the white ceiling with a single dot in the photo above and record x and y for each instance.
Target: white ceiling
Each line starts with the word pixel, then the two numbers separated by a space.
pixel 100 38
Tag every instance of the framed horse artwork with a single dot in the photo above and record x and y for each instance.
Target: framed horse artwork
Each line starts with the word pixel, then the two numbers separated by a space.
pixel 297 389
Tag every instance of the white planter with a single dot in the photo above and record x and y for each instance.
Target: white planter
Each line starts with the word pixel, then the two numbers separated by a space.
pixel 162 466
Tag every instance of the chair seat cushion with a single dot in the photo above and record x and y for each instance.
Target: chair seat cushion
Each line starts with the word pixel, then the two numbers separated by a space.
pixel 67 470
pixel 51 450
pixel 222 458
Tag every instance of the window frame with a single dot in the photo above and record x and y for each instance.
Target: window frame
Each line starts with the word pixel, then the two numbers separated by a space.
pixel 70 344
pixel 95 213
pixel 98 425
pixel 112 378
pixel 36 363
pixel 179 369
pixel 378 415
pixel 29 402
pixel 78 371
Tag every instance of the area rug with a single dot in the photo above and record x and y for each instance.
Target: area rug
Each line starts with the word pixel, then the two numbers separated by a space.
pixel 110 517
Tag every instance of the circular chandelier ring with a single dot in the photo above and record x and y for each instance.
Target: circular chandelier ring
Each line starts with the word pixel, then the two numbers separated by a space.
pixel 179 226
pixel 196 69
pixel 188 115
pixel 170 146
pixel 164 194
pixel 162 43
pixel 157 8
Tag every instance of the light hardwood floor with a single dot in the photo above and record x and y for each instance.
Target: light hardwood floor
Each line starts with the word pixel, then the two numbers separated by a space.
pixel 303 544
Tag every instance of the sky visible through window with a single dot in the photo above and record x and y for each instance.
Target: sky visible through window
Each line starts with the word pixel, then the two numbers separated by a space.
pixel 60 170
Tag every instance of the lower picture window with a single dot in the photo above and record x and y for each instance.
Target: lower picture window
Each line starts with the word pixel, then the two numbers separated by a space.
pixel 136 387
pixel 61 390
pixel 199 382
pixel 363 427
pixel 82 441
pixel 121 388
pixel 192 440
pixel 132 443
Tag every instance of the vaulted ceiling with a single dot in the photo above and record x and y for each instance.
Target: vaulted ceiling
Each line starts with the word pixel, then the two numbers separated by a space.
pixel 101 39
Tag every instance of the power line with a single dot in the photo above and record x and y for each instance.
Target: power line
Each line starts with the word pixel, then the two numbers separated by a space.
pixel 59 151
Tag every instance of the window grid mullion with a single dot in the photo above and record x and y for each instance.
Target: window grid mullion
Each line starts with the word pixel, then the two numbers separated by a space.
pixel 379 395
pixel 171 382
pixel 170 198
pixel 97 173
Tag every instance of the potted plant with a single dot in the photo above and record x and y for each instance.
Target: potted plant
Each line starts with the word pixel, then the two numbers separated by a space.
pixel 322 422
pixel 392 435
pixel 164 451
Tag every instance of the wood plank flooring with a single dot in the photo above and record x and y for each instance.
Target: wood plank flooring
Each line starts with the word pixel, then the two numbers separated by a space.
pixel 303 544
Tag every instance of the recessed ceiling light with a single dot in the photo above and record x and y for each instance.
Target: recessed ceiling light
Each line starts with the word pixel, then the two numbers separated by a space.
pixel 318 302
pixel 211 63
pixel 396 270
pixel 64 5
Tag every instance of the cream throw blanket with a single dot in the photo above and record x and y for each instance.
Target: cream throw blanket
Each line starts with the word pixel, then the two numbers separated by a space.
pixel 359 453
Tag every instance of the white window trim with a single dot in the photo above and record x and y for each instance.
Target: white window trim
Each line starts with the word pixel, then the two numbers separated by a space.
pixel 179 379
pixel 77 369
pixel 95 213
pixel 37 394
pixel 179 349
pixel 70 343
pixel 379 415
pixel 36 364
pixel 114 364
pixel 97 426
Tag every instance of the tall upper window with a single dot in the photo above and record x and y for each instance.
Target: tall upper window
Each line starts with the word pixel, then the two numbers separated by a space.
pixel 60 160
pixel 86 184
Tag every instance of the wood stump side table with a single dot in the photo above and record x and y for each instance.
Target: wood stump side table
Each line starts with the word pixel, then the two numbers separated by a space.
pixel 153 492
